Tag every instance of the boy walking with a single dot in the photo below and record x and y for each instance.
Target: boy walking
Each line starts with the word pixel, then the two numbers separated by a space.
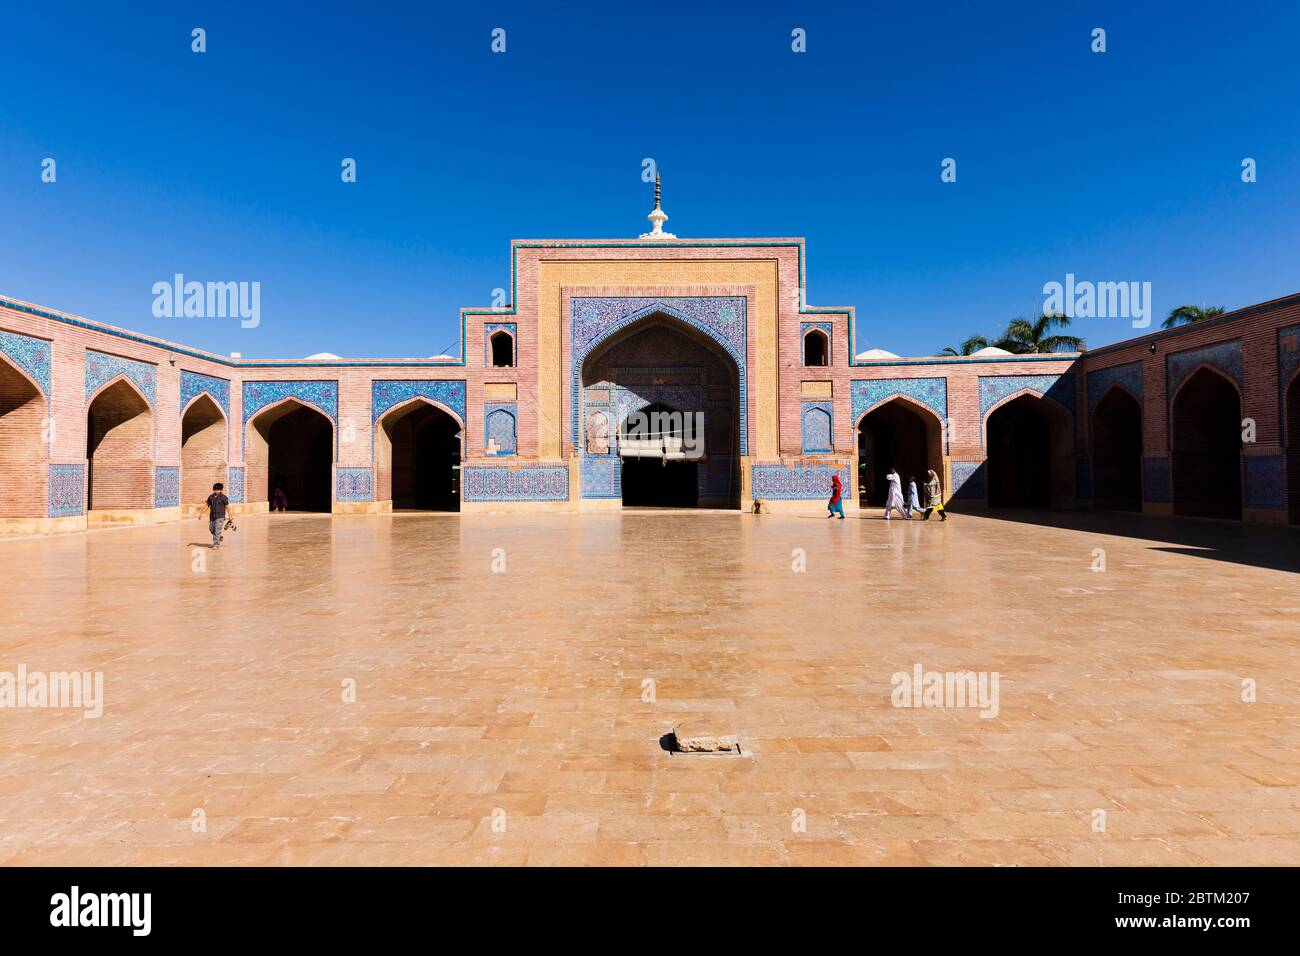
pixel 216 507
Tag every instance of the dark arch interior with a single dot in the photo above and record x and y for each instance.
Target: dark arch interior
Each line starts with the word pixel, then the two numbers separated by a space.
pixel 503 350
pixel 1206 432
pixel 1117 452
pixel 667 364
pixel 203 449
pixel 300 454
pixel 119 450
pixel 1293 449
pixel 653 482
pixel 425 459
pixel 1021 436
pixel 22 445
pixel 895 435
pixel 815 348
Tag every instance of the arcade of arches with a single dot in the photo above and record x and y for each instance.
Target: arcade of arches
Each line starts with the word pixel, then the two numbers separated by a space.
pixel 291 446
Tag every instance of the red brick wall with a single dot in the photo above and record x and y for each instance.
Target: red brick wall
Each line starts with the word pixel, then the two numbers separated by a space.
pixel 119 447
pixel 24 467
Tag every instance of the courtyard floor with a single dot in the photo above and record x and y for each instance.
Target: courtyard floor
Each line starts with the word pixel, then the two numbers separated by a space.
pixel 514 715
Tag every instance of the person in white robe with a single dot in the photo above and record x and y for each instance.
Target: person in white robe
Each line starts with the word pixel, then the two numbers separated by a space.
pixel 894 500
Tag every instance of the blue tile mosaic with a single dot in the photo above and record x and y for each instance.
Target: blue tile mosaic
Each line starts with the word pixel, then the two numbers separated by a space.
pixel 930 392
pixel 1223 357
pixel 602 476
pixel 818 427
pixel 235 484
pixel 1129 377
pixel 166 486
pixel 1155 479
pixel 32 355
pixel 968 480
pixel 796 483
pixel 354 484
pixel 324 395
pixel 994 388
pixel 67 491
pixel 102 368
pixel 386 394
pixel 1265 482
pixel 1288 364
pixel 593 320
pixel 488 483
pixel 194 384
pixel 499 429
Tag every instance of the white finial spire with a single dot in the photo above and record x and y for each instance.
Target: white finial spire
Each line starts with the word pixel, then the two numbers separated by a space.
pixel 657 219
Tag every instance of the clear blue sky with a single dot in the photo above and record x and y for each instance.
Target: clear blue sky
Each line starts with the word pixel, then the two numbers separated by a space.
pixel 225 165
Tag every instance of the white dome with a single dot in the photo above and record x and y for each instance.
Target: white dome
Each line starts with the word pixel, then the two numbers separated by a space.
pixel 323 355
pixel 988 351
pixel 873 354
pixel 451 357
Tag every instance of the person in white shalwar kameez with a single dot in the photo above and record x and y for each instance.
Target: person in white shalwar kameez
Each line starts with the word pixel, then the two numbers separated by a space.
pixel 894 501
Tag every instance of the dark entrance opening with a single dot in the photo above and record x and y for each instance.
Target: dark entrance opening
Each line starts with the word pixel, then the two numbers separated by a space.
pixel 1206 436
pixel 1028 454
pixel 423 458
pixel 897 435
pixel 300 453
pixel 1117 452
pixel 1293 449
pixel 654 481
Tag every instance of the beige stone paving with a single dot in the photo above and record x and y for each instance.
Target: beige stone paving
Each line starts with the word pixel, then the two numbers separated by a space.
pixel 516 697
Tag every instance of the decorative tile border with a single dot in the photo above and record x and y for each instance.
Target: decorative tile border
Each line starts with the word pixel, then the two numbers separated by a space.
pixel 501 483
pixel 102 368
pixel 1224 357
pixel 930 392
pixel 194 384
pixel 1155 480
pixel 776 482
pixel 1127 376
pixel 1265 482
pixel 354 484
pixel 488 329
pixel 324 395
pixel 235 484
pixel 388 393
pixel 804 329
pixel 994 388
pixel 166 486
pixel 818 420
pixel 500 425
pixel 67 491
pixel 968 480
pixel 32 355
pixel 593 320
pixel 602 476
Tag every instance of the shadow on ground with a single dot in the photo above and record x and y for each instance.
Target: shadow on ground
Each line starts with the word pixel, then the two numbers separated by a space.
pixel 1259 546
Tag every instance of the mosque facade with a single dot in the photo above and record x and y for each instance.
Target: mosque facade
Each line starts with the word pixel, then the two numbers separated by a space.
pixel 643 372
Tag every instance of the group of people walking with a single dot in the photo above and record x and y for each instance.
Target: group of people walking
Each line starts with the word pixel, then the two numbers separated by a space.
pixel 894 500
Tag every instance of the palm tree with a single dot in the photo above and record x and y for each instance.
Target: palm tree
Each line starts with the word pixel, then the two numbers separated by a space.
pixel 1186 314
pixel 969 347
pixel 1025 336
